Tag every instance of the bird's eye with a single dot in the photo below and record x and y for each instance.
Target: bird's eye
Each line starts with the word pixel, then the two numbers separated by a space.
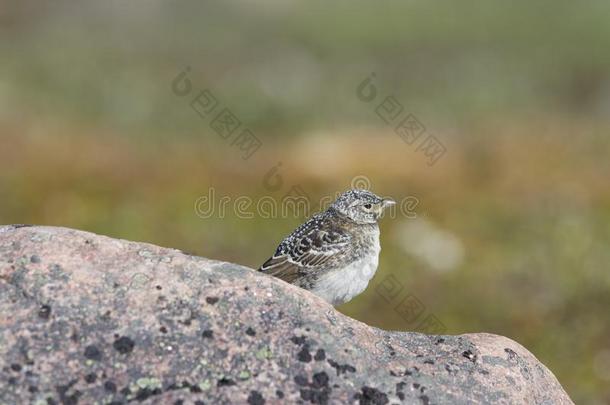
pixel 368 206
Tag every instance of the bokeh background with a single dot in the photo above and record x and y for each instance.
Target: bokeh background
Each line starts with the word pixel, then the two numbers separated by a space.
pixel 512 229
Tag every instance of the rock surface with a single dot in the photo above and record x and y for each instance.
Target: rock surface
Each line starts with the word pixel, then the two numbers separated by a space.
pixel 90 319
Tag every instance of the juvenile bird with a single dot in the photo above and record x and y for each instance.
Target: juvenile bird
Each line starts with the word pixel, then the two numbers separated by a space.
pixel 336 252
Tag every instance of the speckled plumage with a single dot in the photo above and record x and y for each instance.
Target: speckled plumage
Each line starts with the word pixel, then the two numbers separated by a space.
pixel 336 252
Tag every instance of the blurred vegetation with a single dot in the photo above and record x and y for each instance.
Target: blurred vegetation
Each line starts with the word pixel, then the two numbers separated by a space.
pixel 92 137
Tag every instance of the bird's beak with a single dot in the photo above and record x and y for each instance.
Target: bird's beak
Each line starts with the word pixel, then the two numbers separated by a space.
pixel 387 202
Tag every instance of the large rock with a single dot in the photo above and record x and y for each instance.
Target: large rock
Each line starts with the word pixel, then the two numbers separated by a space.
pixel 90 319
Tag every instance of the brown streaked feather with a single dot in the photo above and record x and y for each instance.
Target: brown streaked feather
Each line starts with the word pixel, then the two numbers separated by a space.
pixel 310 249
pixel 281 267
pixel 314 250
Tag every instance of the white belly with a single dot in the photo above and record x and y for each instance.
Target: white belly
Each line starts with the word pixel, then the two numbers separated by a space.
pixel 340 286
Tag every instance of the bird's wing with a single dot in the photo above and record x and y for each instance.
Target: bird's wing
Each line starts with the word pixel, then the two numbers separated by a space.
pixel 309 248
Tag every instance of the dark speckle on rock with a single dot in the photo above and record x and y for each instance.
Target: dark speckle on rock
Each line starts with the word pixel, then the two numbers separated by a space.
pixel 145 393
pixel 424 399
pixel 211 300
pixel 341 368
pixel 255 398
pixel 35 259
pixel 123 345
pixel 250 332
pixel 93 353
pixel 44 312
pixel 110 386
pixel 207 334
pixel 163 329
pixel 320 380
pixel 306 395
pixel 16 367
pixel 470 355
pixel 301 380
pixel 320 355
pixel 304 354
pixel 65 397
pixel 90 378
pixel 315 396
pixel 511 354
pixel 451 368
pixel 225 382
pixel 279 394
pixel 298 340
pixel 106 316
pixel 371 396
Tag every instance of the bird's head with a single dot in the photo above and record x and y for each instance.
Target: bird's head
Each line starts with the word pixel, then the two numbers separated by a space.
pixel 361 206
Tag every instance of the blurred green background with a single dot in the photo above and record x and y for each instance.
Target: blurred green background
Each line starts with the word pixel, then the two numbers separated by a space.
pixel 512 231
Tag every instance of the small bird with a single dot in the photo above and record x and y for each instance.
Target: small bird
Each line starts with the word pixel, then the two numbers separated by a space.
pixel 336 252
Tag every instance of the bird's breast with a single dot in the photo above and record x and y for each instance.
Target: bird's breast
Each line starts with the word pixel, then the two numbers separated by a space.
pixel 340 285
